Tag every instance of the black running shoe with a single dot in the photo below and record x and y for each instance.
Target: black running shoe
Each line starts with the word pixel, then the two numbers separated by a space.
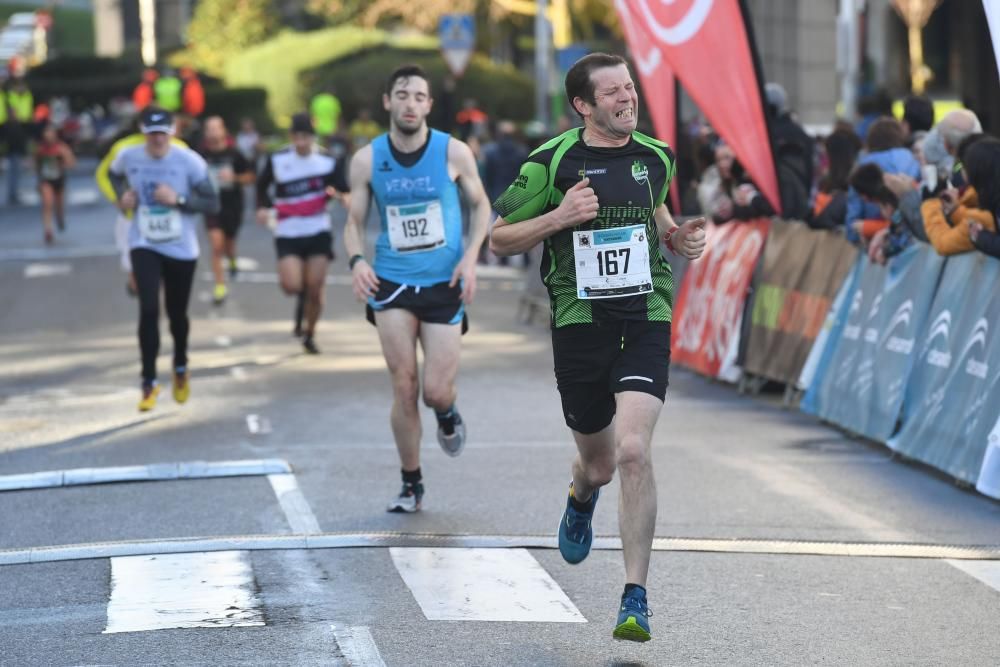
pixel 309 345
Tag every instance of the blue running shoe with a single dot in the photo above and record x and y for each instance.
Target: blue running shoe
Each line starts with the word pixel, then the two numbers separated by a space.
pixel 633 617
pixel 575 533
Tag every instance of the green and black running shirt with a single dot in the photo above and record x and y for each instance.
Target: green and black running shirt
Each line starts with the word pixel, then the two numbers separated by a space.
pixel 609 252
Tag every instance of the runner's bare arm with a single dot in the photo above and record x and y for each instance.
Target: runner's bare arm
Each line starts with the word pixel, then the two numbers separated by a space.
pixel 364 282
pixel 463 163
pixel 69 159
pixel 579 205
pixel 357 212
pixel 664 221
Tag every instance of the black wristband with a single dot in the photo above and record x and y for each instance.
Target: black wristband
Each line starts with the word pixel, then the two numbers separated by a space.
pixel 354 260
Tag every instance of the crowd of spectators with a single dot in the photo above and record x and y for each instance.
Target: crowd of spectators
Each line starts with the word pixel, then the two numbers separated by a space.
pixel 884 183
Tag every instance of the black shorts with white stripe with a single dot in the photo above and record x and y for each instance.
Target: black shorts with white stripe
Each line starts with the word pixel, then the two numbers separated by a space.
pixel 593 362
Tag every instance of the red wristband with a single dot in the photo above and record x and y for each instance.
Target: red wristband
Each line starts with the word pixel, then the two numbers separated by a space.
pixel 668 240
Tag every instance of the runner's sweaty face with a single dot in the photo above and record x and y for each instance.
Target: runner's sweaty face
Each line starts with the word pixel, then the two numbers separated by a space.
pixel 409 104
pixel 616 107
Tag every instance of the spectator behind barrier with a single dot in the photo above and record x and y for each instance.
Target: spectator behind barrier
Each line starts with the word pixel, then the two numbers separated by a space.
pixel 981 162
pixel 918 116
pixel 941 146
pixel 736 197
pixel 884 145
pixel 898 200
pixel 830 208
pixel 794 155
pixel 947 217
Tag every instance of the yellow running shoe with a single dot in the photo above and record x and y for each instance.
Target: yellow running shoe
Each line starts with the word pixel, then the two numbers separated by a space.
pixel 220 293
pixel 149 395
pixel 182 387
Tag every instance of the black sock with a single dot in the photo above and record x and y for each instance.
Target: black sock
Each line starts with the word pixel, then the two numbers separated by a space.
pixel 586 507
pixel 631 587
pixel 446 420
pixel 412 476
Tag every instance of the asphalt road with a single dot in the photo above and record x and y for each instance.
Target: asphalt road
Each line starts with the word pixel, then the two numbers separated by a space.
pixel 729 469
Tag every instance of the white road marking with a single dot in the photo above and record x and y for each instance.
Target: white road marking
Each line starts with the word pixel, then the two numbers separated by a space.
pixel 143 473
pixel 29 254
pixel 295 506
pixel 195 590
pixel 986 571
pixel 223 341
pixel 358 646
pixel 258 425
pixel 42 270
pixel 380 540
pixel 238 373
pixel 483 585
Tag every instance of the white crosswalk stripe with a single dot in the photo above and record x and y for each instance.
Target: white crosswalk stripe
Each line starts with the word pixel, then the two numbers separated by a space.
pixel 483 585
pixel 199 590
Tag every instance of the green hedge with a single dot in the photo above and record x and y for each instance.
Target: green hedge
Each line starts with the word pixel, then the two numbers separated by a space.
pixel 235 104
pixel 500 90
pixel 276 64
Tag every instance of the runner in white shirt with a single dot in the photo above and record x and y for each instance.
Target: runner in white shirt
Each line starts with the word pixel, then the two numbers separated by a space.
pixel 303 177
pixel 166 186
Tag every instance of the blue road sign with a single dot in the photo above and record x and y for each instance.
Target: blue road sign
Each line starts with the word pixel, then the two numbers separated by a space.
pixel 457 32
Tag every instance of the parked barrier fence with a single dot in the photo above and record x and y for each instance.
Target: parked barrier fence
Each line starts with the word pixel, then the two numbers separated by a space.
pixel 906 354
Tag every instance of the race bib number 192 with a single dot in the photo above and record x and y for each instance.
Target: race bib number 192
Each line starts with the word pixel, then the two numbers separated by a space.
pixel 612 262
pixel 415 227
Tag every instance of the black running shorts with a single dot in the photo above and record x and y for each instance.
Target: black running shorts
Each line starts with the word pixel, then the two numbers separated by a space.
pixel 593 362
pixel 305 247
pixel 228 220
pixel 437 304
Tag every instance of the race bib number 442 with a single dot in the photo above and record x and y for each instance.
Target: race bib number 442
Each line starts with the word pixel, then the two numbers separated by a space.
pixel 159 224
pixel 612 262
pixel 415 227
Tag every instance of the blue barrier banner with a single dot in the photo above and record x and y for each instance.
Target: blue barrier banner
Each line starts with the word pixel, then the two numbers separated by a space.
pixel 822 350
pixel 861 387
pixel 953 396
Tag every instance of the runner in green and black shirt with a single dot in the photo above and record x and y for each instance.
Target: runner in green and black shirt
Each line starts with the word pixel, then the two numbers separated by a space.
pixel 595 197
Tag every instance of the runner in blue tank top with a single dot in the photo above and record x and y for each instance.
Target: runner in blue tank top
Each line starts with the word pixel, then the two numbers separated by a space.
pixel 422 276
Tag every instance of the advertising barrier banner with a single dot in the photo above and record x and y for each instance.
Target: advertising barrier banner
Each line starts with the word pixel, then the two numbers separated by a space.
pixel 802 271
pixel 862 387
pixel 953 395
pixel 709 305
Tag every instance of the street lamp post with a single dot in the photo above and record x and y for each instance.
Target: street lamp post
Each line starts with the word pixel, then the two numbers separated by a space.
pixel 542 63
pixel 147 30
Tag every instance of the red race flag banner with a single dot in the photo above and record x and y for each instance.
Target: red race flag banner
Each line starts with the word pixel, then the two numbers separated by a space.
pixel 706 45
pixel 708 310
pixel 657 82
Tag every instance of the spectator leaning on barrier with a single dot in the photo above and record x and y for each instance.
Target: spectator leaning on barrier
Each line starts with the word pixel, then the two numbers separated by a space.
pixel 982 166
pixel 830 206
pixel 941 146
pixel 794 154
pixel 946 216
pixel 898 200
pixel 884 146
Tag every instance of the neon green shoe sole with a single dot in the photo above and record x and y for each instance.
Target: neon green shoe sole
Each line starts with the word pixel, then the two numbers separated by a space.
pixel 631 631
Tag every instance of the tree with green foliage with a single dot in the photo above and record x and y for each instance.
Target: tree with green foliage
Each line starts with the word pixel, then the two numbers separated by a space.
pixel 220 29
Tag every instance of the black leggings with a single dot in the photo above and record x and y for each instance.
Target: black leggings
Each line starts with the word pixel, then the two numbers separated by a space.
pixel 178 276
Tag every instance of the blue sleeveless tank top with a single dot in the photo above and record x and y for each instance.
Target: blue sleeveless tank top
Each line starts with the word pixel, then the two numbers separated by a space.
pixel 421 219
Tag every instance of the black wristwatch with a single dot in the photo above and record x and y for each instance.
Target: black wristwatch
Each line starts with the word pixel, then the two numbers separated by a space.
pixel 354 260
pixel 181 201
